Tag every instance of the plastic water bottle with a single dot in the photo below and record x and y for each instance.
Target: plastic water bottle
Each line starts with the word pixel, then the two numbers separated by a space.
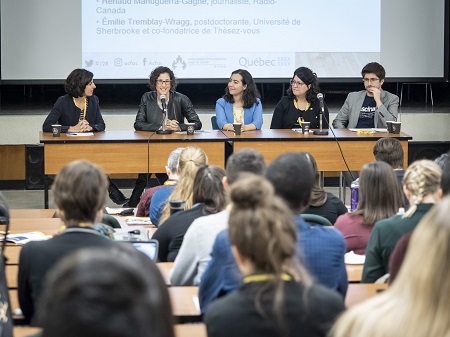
pixel 354 195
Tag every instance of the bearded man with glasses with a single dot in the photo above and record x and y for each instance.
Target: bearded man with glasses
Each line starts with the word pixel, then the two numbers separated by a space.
pixel 369 108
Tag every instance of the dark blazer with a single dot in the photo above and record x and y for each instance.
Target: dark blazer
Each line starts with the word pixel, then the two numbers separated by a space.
pixel 286 114
pixel 66 113
pixel 38 257
pixel 150 117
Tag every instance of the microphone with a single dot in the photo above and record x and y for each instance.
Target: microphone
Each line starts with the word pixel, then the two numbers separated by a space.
pixel 321 132
pixel 162 130
pixel 163 102
pixel 320 98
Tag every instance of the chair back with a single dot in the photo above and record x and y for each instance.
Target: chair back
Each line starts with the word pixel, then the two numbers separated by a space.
pixel 214 123
pixel 318 220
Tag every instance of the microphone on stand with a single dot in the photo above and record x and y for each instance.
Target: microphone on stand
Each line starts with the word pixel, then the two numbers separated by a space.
pixel 320 132
pixel 162 130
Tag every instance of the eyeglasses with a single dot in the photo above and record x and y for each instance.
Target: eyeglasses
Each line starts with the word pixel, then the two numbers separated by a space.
pixel 296 83
pixel 163 82
pixel 371 80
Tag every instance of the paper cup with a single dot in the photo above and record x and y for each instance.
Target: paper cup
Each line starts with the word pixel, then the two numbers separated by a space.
pixel 56 130
pixel 237 128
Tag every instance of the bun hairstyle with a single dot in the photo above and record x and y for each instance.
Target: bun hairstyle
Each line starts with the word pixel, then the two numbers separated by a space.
pixel 262 228
pixel 261 225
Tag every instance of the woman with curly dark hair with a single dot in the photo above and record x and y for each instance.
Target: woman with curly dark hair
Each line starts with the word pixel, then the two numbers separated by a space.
pixel 301 103
pixel 240 104
pixel 79 109
pixel 179 106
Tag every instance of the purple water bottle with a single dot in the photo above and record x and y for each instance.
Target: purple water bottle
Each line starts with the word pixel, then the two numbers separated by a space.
pixel 354 195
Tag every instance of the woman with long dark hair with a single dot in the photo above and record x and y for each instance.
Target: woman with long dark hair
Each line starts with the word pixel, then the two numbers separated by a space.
pixel 301 103
pixel 240 104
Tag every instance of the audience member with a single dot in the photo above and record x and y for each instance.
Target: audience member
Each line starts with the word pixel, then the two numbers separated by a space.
pixel 379 198
pixel 116 292
pixel 264 242
pixel 369 108
pixel 416 304
pixel 441 160
pixel 301 103
pixel 143 208
pixel 195 250
pixel 390 151
pixel 323 203
pixel 208 198
pixel 320 249
pixel 401 247
pixel 445 180
pixel 79 192
pixel 421 187
pixel 240 104
pixel 191 158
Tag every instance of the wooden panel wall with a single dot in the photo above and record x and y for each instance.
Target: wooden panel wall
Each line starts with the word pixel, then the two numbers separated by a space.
pixel 12 162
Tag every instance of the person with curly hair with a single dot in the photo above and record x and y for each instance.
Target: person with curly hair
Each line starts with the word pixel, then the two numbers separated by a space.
pixel 301 103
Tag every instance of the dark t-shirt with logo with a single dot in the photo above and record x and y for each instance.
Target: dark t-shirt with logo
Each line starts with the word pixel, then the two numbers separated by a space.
pixel 367 114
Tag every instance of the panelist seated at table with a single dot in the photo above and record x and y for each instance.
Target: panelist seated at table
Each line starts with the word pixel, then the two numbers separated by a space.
pixel 240 104
pixel 179 107
pixel 301 103
pixel 79 109
pixel 369 108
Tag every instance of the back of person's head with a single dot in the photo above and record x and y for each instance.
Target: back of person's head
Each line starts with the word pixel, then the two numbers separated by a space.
pixel 318 195
pixel 374 68
pixel 390 151
pixel 262 228
pixel 109 292
pixel 416 304
pixel 293 178
pixel 208 189
pixel 172 161
pixel 245 160
pixel 79 192
pixel 445 179
pixel 191 158
pixel 77 81
pixel 441 160
pixel 308 77
pixel 380 194
pixel 421 179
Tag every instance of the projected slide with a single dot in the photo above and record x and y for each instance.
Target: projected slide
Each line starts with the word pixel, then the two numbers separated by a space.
pixel 210 38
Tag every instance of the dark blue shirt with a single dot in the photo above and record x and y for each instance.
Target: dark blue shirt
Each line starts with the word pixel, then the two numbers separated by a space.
pixel 320 249
pixel 367 114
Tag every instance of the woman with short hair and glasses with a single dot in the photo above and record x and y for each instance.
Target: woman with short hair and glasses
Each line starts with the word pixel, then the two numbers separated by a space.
pixel 150 117
pixel 179 106
pixel 301 103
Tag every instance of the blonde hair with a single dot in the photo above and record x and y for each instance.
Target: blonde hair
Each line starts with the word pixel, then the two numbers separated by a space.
pixel 422 178
pixel 416 304
pixel 190 160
